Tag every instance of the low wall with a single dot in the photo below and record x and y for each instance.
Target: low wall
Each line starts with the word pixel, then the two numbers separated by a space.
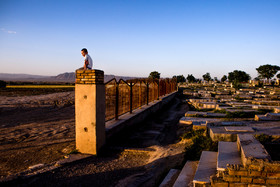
pixel 221 136
pixel 256 174
pixel 137 116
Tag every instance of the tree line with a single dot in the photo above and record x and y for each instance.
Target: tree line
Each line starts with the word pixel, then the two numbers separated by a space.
pixel 265 72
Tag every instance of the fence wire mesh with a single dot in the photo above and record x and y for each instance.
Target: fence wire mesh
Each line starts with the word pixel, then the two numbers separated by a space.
pixel 110 99
pixel 125 96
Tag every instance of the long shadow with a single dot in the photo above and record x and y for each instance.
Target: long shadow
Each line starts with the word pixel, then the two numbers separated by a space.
pixel 72 175
pixel 166 118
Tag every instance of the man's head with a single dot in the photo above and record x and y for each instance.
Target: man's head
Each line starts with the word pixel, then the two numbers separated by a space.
pixel 84 51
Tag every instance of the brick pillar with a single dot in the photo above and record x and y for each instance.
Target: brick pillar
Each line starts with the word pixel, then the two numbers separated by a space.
pixel 90 110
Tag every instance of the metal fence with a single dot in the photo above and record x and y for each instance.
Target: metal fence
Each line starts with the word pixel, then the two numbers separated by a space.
pixel 126 96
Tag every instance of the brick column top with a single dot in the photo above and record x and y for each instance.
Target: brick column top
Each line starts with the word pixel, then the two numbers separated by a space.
pixel 94 76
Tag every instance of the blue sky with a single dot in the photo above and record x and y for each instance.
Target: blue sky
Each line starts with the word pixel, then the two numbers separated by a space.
pixel 135 37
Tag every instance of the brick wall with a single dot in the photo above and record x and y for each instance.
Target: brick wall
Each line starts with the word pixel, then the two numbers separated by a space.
pixel 257 173
pixel 89 77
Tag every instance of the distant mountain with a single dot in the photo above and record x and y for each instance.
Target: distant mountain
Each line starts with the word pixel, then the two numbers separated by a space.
pixel 8 76
pixel 70 77
pixel 63 77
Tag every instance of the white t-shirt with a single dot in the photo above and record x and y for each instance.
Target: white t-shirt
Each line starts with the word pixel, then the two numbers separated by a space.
pixel 88 58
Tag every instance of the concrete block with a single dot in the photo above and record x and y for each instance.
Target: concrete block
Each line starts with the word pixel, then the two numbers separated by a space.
pixel 199 125
pixel 250 148
pixel 170 178
pixel 185 121
pixel 220 184
pixel 187 174
pixel 238 172
pixel 191 120
pixel 219 134
pixel 256 185
pixel 259 181
pixel 273 181
pixel 268 117
pixel 273 175
pixel 239 129
pixel 238 185
pixel 277 109
pixel 90 117
pixel 232 123
pixel 203 114
pixel 227 154
pixel 231 178
pixel 275 116
pixel 206 167
pixel 246 179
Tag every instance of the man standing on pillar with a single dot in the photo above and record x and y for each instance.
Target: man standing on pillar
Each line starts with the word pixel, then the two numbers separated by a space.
pixel 87 60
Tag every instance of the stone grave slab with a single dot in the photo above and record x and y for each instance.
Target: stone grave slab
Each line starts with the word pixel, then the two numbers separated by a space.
pixel 206 167
pixel 239 129
pixel 227 154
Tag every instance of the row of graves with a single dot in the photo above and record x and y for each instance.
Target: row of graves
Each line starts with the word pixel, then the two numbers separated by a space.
pixel 246 125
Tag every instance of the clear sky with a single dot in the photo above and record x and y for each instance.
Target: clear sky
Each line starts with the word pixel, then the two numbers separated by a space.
pixel 135 37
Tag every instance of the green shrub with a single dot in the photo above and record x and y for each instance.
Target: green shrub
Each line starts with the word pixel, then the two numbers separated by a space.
pixel 240 114
pixel 75 151
pixel 263 138
pixel 192 133
pixel 200 143
pixel 264 111
pixel 238 98
pixel 3 84
pixel 223 111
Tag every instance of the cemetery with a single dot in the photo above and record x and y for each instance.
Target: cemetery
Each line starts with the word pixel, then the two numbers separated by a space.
pixel 245 124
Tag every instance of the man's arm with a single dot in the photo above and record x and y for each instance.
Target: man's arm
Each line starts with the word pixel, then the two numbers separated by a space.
pixel 86 62
pixel 85 65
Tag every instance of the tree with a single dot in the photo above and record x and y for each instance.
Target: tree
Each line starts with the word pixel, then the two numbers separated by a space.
pixel 206 77
pixel 191 78
pixel 216 79
pixel 236 85
pixel 278 75
pixel 267 71
pixel 180 78
pixel 154 75
pixel 238 76
pixel 256 78
pixel 224 78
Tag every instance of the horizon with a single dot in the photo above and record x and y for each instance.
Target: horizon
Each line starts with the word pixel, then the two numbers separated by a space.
pixel 134 38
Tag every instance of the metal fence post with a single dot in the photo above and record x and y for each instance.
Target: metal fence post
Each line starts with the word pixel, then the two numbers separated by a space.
pixel 147 93
pixel 130 107
pixel 158 90
pixel 140 94
pixel 165 91
pixel 117 102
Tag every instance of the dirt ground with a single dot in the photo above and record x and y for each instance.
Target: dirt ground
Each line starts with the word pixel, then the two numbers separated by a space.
pixel 31 92
pixel 35 130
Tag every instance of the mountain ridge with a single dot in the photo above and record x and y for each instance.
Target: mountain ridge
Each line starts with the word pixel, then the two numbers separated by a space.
pixel 63 77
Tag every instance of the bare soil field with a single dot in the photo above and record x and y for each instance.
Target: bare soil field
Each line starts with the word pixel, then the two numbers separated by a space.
pixel 12 92
pixel 35 129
